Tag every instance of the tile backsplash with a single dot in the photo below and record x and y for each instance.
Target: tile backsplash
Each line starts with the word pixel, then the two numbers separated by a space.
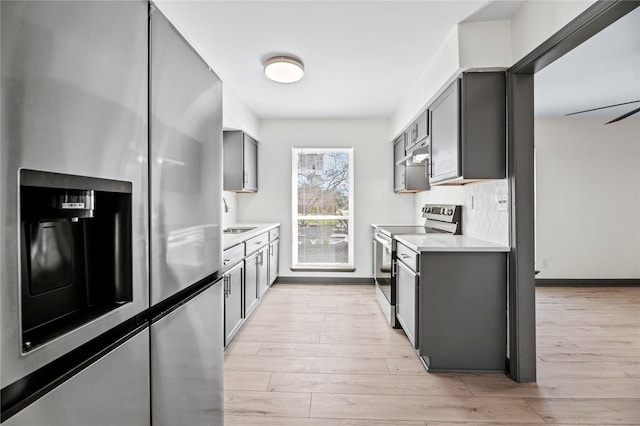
pixel 480 215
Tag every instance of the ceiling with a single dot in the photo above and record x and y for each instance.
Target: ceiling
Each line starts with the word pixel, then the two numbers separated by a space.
pixel 604 70
pixel 361 57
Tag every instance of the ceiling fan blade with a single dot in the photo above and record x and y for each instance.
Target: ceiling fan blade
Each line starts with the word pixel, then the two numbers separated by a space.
pixel 604 107
pixel 623 116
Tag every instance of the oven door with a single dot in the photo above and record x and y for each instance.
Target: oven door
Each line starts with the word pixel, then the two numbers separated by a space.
pixel 383 276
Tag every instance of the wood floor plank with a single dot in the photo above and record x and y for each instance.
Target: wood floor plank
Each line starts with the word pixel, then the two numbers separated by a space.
pixel 242 348
pixel 246 403
pixel 589 411
pixel 369 384
pixel 552 387
pixel 336 350
pixel 306 364
pixel 426 408
pixel 231 420
pixel 361 338
pixel 277 335
pixel 246 380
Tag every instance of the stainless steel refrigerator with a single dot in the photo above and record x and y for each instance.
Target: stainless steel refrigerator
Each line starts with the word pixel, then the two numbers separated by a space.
pixel 111 307
pixel 186 251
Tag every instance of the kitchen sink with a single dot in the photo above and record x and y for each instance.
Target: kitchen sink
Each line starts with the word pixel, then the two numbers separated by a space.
pixel 237 230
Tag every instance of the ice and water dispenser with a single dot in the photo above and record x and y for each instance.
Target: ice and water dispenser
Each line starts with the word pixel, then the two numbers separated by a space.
pixel 75 252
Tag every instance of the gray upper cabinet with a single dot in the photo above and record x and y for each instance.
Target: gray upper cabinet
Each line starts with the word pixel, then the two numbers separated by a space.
pixel 398 166
pixel 418 130
pixel 409 175
pixel 240 162
pixel 468 129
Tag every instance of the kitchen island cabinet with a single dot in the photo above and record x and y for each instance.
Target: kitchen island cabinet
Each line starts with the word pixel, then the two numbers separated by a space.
pixel 460 302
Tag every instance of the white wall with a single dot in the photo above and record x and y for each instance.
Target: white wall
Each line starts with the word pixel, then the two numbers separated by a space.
pixel 536 21
pixel 587 198
pixel 374 199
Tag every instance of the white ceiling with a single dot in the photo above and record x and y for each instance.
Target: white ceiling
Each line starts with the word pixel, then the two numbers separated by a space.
pixel 604 70
pixel 361 57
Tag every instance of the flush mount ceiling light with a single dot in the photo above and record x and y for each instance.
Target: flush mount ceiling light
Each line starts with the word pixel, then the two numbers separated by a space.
pixel 283 69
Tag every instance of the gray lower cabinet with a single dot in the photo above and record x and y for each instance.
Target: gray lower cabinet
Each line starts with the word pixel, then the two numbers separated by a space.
pixel 406 300
pixel 248 281
pixel 251 264
pixel 240 152
pixel 274 253
pixel 233 301
pixel 468 137
pixel 263 271
pixel 462 316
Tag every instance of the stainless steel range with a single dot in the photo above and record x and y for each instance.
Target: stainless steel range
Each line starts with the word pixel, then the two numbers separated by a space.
pixel 440 219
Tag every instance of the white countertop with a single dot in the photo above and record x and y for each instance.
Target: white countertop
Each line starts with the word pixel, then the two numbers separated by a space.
pixel 230 240
pixel 449 243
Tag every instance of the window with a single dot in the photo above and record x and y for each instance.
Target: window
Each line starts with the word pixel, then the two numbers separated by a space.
pixel 322 209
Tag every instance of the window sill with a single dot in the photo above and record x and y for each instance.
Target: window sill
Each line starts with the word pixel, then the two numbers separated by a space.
pixel 323 269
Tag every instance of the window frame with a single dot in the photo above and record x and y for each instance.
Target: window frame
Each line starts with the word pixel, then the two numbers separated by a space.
pixel 295 217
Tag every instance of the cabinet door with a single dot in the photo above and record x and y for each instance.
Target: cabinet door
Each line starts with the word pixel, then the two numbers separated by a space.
pixel 422 125
pixel 250 163
pixel 250 284
pixel 445 132
pixel 399 169
pixel 233 313
pixel 273 261
pixel 406 308
pixel 263 271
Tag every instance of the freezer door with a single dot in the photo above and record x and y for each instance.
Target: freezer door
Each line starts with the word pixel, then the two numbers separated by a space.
pixel 186 163
pixel 113 391
pixel 187 362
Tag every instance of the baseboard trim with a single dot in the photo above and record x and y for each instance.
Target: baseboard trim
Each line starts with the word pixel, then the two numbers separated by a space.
pixel 323 280
pixel 578 282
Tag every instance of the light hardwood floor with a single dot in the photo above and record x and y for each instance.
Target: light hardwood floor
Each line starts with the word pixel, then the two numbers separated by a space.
pixel 319 355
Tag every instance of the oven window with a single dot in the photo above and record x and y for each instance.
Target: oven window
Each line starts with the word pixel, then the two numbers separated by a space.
pixel 322 209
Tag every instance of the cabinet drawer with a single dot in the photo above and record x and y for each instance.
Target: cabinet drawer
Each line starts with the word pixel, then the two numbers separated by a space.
pixel 233 255
pixel 255 243
pixel 274 234
pixel 407 256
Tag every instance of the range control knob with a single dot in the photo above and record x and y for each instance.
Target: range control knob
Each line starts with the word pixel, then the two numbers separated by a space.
pixel 428 209
pixel 450 212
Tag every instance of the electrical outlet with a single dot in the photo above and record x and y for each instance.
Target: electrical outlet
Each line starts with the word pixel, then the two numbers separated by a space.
pixel 503 202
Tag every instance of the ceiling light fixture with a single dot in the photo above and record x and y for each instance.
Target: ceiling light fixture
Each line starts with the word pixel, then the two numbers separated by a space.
pixel 283 69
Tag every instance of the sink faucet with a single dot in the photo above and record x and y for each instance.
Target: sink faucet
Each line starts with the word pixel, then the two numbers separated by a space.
pixel 226 206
